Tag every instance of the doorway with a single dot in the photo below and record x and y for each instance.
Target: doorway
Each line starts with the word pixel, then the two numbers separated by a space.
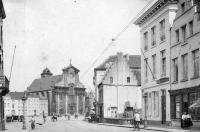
pixel 163 103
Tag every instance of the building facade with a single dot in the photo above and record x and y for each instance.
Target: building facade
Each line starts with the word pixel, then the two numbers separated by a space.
pixel 155 23
pixel 65 92
pixel 120 86
pixel 13 105
pixel 4 83
pixel 99 73
pixel 185 44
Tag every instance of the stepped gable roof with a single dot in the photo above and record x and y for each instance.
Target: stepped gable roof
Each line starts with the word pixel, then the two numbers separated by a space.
pixel 71 66
pixel 42 84
pixel 2 11
pixel 134 62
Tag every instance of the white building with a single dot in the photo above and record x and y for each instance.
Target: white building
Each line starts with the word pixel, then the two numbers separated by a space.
pixel 120 86
pixel 13 104
pixel 155 23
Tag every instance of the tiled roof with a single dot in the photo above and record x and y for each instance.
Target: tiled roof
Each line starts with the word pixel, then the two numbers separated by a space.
pixel 102 66
pixel 134 61
pixel 46 83
pixel 16 95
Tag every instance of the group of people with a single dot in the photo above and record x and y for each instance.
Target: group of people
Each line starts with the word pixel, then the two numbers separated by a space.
pixel 186 121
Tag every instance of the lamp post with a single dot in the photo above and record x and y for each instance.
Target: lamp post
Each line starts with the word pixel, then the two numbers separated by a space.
pixel 24 98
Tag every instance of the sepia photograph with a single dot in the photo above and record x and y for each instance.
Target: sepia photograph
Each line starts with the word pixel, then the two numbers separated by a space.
pixel 99 65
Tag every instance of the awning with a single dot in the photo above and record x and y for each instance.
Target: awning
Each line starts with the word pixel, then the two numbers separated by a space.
pixel 195 105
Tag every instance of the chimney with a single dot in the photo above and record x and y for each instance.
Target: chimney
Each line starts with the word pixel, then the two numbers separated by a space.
pixel 119 56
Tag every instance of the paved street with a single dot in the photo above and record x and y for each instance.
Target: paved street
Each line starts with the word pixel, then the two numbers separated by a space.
pixel 63 125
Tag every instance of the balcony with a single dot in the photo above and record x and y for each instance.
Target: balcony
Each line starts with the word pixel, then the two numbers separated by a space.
pixel 4 85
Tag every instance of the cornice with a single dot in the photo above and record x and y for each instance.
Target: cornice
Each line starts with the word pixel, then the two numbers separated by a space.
pixel 154 9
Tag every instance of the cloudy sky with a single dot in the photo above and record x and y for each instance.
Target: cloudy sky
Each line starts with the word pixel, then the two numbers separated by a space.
pixel 47 33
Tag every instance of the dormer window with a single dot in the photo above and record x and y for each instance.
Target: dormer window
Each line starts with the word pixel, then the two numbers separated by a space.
pixel 183 7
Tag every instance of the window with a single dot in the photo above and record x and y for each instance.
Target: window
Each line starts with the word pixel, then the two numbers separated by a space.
pixel 191 27
pixel 146 41
pixel 185 66
pixel 177 35
pixel 175 67
pixel 162 30
pixel 193 97
pixel 153 36
pixel 42 93
pixel 183 7
pixel 154 65
pixel 128 79
pixel 195 55
pixel 163 63
pixel 177 100
pixel 111 80
pixel 183 33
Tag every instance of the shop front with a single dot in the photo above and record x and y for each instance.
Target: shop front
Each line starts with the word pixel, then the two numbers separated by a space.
pixel 181 100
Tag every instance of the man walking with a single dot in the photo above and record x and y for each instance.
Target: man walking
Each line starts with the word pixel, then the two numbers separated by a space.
pixel 137 120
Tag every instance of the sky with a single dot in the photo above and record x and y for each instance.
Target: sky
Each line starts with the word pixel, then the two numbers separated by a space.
pixel 48 33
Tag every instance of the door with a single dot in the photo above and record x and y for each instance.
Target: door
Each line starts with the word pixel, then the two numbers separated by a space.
pixel 163 103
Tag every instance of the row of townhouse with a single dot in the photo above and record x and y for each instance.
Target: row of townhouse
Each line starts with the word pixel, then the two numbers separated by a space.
pixel 170 34
pixel 13 105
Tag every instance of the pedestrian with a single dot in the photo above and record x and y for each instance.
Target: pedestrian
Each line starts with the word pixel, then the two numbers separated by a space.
pixel 32 122
pixel 188 121
pixel 44 118
pixel 183 120
pixel 137 120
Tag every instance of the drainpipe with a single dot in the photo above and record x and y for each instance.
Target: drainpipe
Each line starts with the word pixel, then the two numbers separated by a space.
pixel 170 85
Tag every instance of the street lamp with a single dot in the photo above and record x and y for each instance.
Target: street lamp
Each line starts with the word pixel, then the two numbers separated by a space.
pixel 24 98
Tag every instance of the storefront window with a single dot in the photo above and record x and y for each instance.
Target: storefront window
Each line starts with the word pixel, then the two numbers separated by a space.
pixel 177 99
pixel 195 112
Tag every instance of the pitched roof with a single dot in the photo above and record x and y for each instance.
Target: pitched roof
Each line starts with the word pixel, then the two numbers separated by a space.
pixel 16 95
pixel 134 61
pixel 46 83
pixel 102 66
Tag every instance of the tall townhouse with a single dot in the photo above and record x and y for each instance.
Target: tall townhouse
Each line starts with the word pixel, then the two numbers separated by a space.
pixel 185 46
pixel 155 22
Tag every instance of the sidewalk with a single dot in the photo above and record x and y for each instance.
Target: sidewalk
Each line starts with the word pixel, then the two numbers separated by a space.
pixel 154 128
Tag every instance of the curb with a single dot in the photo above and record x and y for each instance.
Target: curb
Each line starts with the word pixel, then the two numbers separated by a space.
pixel 132 127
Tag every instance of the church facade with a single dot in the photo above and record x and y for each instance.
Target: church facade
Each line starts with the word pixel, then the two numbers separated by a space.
pixel 65 92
